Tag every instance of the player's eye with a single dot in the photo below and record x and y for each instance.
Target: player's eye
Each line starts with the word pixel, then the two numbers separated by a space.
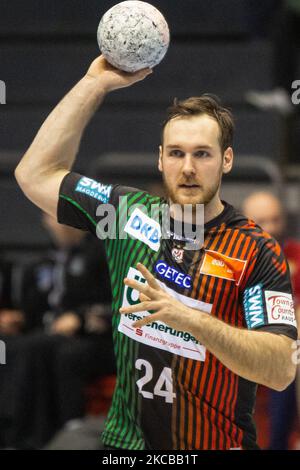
pixel 202 154
pixel 176 153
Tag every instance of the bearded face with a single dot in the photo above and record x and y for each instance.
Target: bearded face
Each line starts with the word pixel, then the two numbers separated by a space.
pixel 191 160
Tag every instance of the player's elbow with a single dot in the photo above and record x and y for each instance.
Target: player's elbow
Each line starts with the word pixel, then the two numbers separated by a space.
pixel 21 181
pixel 22 175
pixel 290 376
pixel 285 378
pixel 26 175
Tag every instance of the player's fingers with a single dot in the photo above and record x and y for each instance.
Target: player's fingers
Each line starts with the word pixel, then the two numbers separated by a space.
pixel 144 298
pixel 143 72
pixel 147 320
pixel 137 76
pixel 148 276
pixel 141 307
pixel 142 288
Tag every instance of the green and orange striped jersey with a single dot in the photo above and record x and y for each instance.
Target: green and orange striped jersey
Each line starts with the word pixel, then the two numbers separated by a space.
pixel 171 392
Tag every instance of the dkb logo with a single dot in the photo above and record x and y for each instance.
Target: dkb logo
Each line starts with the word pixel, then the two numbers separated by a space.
pixel 2 94
pixel 2 353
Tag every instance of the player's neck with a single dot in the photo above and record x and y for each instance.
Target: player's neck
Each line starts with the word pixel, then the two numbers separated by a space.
pixel 211 210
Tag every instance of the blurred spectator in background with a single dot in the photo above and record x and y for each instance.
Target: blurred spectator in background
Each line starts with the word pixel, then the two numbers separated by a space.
pixel 12 320
pixel 66 297
pixel 267 211
pixel 285 36
pixel 12 323
pixel 56 289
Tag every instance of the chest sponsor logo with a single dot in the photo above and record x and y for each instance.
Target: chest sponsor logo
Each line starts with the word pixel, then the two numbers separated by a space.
pixel 225 267
pixel 175 236
pixel 171 274
pixel 280 307
pixel 158 334
pixel 143 228
pixel 94 189
pixel 254 306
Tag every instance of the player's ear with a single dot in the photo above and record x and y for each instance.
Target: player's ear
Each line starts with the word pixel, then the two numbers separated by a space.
pixel 160 159
pixel 227 160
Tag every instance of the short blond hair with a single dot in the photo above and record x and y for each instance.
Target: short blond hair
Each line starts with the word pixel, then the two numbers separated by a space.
pixel 204 104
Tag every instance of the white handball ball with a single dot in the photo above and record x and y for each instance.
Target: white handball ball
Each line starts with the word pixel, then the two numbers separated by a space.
pixel 133 35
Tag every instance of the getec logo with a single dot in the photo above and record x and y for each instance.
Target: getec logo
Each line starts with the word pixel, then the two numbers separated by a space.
pixel 173 275
pixel 143 228
pixel 254 306
pixel 94 189
pixel 2 92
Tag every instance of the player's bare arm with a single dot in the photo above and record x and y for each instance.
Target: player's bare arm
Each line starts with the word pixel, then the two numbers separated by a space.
pixel 261 357
pixel 52 153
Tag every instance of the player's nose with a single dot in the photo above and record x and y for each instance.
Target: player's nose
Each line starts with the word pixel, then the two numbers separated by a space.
pixel 188 167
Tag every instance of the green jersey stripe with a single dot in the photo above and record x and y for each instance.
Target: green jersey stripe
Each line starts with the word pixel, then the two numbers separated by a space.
pixel 79 207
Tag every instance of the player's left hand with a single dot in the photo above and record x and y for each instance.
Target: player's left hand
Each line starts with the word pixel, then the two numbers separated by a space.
pixel 153 298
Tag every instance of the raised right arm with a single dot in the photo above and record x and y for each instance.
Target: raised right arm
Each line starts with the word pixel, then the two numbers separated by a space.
pixel 52 153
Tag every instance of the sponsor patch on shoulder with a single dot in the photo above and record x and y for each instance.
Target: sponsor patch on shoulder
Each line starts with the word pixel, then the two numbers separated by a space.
pixel 280 308
pixel 143 228
pixel 94 189
pixel 254 306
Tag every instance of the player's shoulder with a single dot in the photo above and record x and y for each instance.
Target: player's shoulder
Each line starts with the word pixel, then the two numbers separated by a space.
pixel 134 196
pixel 248 228
pixel 95 187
